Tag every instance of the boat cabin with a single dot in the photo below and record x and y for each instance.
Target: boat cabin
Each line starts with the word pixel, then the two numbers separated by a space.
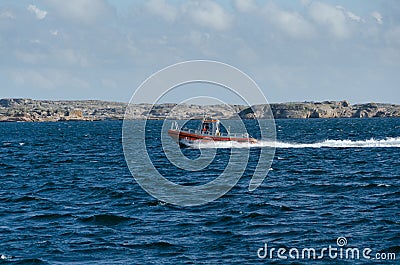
pixel 210 126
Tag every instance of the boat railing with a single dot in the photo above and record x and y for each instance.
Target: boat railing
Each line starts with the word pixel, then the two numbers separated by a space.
pixel 233 135
pixel 174 126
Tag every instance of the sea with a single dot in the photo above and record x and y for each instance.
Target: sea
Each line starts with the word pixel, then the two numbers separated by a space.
pixel 331 196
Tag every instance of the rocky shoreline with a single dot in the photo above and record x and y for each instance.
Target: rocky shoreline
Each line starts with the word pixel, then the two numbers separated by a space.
pixel 29 110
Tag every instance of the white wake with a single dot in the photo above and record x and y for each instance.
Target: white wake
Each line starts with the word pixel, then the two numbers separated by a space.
pixel 371 143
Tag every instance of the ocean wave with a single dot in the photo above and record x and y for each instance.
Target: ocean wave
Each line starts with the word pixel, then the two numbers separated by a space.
pixel 5 257
pixel 370 143
pixel 105 219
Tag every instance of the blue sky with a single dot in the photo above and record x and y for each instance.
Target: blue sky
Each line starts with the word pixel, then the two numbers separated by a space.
pixel 295 50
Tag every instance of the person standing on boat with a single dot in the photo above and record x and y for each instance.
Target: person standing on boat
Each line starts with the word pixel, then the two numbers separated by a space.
pixel 205 128
pixel 217 132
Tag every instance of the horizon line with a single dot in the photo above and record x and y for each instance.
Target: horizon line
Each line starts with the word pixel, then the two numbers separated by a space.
pixel 161 103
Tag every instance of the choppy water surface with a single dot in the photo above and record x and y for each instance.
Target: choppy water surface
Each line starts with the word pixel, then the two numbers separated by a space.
pixel 67 197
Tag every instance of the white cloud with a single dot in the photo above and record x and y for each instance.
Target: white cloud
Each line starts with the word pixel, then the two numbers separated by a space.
pixel 88 49
pixel 71 57
pixel 245 5
pixel 81 11
pixel 109 83
pixel 7 14
pixel 28 57
pixel 330 17
pixel 305 2
pixel 354 17
pixel 32 78
pixel 378 17
pixel 247 55
pixel 210 14
pixel 47 79
pixel 56 55
pixel 40 14
pixel 393 36
pixel 199 38
pixel 54 32
pixel 292 23
pixel 350 15
pixel 163 9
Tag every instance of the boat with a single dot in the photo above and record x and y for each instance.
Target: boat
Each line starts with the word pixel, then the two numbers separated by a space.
pixel 209 131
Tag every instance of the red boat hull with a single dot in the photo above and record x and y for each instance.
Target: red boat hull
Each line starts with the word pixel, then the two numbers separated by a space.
pixel 181 136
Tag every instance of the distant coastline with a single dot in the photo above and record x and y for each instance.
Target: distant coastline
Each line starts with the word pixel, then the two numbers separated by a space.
pixel 28 110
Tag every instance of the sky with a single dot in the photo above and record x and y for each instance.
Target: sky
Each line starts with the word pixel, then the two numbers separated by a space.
pixel 297 50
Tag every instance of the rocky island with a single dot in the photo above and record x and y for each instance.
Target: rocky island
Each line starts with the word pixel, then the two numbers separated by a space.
pixel 93 110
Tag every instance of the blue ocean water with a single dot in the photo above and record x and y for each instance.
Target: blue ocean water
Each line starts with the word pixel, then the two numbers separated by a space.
pixel 67 197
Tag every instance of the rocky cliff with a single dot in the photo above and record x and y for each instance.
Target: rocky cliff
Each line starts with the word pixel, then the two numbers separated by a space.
pixel 326 109
pixel 92 110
